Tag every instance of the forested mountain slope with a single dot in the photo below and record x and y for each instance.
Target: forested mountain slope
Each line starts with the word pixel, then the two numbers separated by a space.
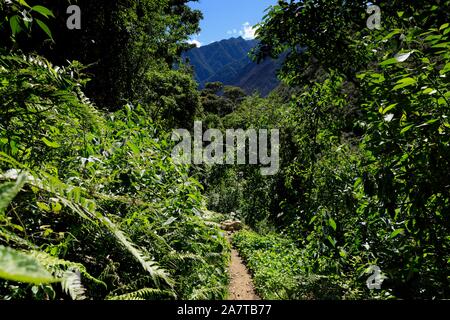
pixel 227 61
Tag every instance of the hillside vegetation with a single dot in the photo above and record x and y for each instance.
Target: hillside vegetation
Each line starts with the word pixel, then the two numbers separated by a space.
pixel 90 198
pixel 93 206
pixel 365 152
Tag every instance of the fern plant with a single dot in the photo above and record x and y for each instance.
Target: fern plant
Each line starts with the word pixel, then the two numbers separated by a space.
pixel 96 198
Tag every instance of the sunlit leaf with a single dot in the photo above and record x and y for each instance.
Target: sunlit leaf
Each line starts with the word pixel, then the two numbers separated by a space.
pixel 396 233
pixel 14 23
pixel 18 266
pixel 405 82
pixel 43 10
pixel 332 224
pixel 45 28
pixel 50 144
pixel 402 57
pixel 407 128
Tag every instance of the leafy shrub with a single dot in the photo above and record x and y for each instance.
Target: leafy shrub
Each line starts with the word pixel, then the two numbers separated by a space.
pixel 364 147
pixel 102 207
pixel 273 261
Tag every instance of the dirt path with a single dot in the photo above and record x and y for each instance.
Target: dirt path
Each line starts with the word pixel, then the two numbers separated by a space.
pixel 241 285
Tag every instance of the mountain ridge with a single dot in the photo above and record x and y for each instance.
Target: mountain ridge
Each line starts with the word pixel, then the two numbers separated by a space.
pixel 227 61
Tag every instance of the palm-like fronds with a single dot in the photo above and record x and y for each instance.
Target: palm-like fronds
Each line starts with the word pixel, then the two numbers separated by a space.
pixel 71 197
pixel 72 285
pixel 145 294
pixel 208 293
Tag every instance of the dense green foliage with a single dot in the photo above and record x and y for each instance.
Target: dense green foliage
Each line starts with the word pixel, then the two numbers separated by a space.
pixel 281 271
pixel 122 43
pixel 92 206
pixel 274 262
pixel 364 148
pixel 100 192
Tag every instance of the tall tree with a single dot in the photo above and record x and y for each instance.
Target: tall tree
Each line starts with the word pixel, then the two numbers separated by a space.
pixel 120 41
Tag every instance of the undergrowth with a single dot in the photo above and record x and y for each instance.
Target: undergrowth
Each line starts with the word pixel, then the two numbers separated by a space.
pixel 281 271
pixel 92 204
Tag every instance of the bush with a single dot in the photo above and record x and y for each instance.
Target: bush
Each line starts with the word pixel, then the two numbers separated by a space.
pixel 273 261
pixel 94 200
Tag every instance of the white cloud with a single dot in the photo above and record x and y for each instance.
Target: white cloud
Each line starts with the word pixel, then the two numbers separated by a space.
pixel 197 43
pixel 247 31
pixel 232 32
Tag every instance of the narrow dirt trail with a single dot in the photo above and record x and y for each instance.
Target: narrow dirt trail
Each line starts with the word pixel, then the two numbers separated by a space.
pixel 241 285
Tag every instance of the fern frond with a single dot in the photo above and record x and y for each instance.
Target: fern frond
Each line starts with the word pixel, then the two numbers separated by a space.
pixel 59 85
pixel 9 190
pixel 71 198
pixel 145 294
pixel 210 293
pixel 176 258
pixel 71 284
pixel 147 263
pixel 58 267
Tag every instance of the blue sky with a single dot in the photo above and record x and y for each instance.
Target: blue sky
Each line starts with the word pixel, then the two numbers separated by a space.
pixel 223 19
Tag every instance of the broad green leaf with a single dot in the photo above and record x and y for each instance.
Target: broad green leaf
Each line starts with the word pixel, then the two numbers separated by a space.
pixel 14 23
pixel 50 144
pixel 44 27
pixel 446 68
pixel 442 101
pixel 389 108
pixel 388 62
pixel 9 190
pixel 332 224
pixel 429 91
pixel 405 82
pixel 405 129
pixel 396 233
pixel 20 267
pixel 24 3
pixel 43 10
pixel 444 26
